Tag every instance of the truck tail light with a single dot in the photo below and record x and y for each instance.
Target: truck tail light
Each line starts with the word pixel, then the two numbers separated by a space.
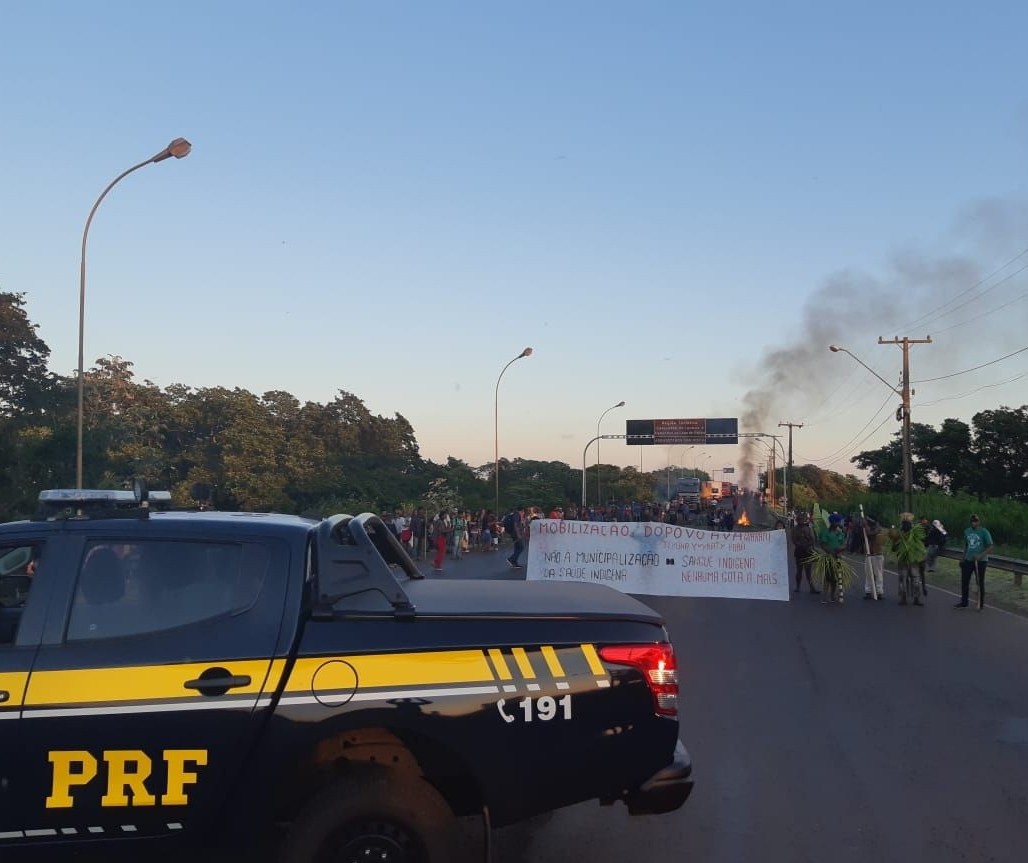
pixel 658 665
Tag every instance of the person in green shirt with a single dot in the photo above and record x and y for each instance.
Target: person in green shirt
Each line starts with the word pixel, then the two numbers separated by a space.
pixel 833 540
pixel 977 545
pixel 460 534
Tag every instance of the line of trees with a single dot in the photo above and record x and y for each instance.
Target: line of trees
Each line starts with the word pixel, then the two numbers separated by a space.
pixel 272 452
pixel 986 459
pixel 256 452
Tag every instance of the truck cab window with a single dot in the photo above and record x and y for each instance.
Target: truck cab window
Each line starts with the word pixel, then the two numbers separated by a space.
pixel 17 571
pixel 127 589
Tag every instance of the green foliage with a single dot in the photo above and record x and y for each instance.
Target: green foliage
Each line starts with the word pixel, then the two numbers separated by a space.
pixel 439 497
pixel 908 545
pixel 24 379
pixel 274 452
pixel 827 567
pixel 822 484
pixel 987 458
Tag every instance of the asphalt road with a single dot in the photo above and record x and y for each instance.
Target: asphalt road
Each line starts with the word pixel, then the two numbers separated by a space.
pixel 861 732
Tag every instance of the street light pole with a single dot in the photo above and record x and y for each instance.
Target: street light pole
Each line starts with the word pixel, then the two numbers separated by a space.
pixel 903 392
pixel 620 404
pixel 178 148
pixel 585 450
pixel 527 352
pixel 788 465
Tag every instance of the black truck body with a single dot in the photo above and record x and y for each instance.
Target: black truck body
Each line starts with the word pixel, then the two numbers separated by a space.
pixel 211 678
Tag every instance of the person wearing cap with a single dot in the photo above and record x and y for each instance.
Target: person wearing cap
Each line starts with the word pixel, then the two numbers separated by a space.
pixel 875 569
pixel 977 545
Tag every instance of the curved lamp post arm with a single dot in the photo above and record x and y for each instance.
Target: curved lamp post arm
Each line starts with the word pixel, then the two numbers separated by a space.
pixel 835 349
pixel 598 437
pixel 620 404
pixel 178 148
pixel 527 352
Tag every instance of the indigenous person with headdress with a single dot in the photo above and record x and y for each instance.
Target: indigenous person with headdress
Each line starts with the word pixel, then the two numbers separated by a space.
pixel 908 546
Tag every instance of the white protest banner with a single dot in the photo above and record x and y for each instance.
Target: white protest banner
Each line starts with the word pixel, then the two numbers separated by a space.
pixel 660 559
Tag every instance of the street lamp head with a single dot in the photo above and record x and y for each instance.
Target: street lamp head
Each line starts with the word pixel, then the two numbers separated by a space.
pixel 834 349
pixel 527 352
pixel 620 404
pixel 179 148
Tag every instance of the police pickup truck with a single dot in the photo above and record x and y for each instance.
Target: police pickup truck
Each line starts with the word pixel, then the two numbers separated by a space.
pixel 224 679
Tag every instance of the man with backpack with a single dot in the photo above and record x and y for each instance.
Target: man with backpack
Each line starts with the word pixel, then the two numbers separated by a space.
pixel 514 526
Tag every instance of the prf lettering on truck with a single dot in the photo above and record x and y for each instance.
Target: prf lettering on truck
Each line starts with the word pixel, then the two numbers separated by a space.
pixel 127 771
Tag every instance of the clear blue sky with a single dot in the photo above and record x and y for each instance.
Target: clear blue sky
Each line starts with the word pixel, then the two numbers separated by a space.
pixel 394 199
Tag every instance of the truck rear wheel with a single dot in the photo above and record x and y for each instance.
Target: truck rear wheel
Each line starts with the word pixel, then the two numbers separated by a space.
pixel 371 816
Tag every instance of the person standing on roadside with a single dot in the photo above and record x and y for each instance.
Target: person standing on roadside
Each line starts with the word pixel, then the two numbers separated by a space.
pixel 442 530
pixel 977 545
pixel 417 530
pixel 515 526
pixel 803 541
pixel 875 567
pixel 935 542
pixel 460 534
pixel 833 540
pixel 908 546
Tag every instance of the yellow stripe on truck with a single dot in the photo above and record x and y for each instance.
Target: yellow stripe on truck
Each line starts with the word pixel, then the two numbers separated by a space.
pixel 13 683
pixel 401 669
pixel 595 666
pixel 524 663
pixel 552 662
pixel 500 664
pixel 139 683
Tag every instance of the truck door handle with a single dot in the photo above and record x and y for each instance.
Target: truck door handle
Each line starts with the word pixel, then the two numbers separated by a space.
pixel 217 681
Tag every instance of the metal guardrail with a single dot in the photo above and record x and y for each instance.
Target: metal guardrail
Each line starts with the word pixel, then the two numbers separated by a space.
pixel 996 561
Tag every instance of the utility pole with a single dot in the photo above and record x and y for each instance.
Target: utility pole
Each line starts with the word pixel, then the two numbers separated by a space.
pixel 908 465
pixel 788 465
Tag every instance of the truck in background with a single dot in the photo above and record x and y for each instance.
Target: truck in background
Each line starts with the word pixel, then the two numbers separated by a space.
pixel 687 491
pixel 710 493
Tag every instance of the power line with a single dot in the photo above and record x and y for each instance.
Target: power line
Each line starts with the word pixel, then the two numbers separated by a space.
pixel 845 446
pixel 966 321
pixel 972 369
pixel 853 399
pixel 866 438
pixel 972 392
pixel 936 313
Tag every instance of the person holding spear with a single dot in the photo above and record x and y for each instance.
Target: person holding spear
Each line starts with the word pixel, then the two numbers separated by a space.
pixel 874 559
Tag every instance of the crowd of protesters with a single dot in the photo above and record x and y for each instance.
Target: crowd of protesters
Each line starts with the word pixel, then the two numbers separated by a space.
pixel 915 546
pixel 450 534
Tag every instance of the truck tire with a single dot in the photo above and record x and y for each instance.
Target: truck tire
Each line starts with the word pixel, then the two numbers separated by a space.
pixel 373 816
